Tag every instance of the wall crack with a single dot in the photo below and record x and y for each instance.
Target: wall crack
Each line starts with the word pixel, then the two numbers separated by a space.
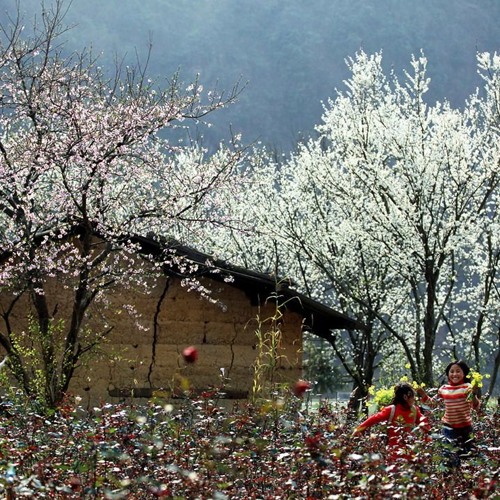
pixel 156 328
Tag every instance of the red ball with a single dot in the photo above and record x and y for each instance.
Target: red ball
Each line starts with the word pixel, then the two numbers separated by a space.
pixel 190 354
pixel 300 387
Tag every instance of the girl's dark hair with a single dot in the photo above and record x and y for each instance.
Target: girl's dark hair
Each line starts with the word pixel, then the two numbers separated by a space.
pixel 462 364
pixel 401 390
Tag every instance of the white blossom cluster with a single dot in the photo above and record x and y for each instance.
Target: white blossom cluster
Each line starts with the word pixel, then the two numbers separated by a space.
pixel 391 215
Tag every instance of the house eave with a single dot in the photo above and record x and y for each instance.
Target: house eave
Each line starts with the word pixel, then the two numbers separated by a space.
pixel 318 318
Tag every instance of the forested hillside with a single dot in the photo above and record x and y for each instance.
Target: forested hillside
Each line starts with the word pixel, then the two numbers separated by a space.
pixel 291 53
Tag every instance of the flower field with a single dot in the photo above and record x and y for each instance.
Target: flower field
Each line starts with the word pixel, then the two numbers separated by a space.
pixel 280 448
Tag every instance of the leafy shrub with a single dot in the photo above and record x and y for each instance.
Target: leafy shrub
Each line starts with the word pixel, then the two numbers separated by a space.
pixel 201 449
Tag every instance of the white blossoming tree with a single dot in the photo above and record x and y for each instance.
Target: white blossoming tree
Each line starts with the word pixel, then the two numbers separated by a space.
pixel 85 155
pixel 390 214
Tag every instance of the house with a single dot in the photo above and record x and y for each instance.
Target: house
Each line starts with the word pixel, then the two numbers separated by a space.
pixel 142 357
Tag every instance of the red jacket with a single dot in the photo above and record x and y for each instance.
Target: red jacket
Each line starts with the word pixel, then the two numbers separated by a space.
pixel 401 422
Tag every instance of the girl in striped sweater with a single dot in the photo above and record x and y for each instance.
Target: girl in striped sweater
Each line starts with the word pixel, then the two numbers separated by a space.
pixel 459 398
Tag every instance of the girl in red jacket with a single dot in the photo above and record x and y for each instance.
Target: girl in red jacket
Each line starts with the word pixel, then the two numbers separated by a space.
pixel 403 417
pixel 459 398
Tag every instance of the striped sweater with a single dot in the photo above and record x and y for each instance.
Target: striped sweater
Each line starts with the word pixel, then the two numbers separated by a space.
pixel 457 411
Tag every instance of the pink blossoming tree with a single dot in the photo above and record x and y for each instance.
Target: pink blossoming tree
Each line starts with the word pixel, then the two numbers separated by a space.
pixel 84 165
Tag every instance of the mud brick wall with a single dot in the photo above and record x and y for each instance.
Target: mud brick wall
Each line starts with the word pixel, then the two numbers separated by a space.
pixel 143 357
